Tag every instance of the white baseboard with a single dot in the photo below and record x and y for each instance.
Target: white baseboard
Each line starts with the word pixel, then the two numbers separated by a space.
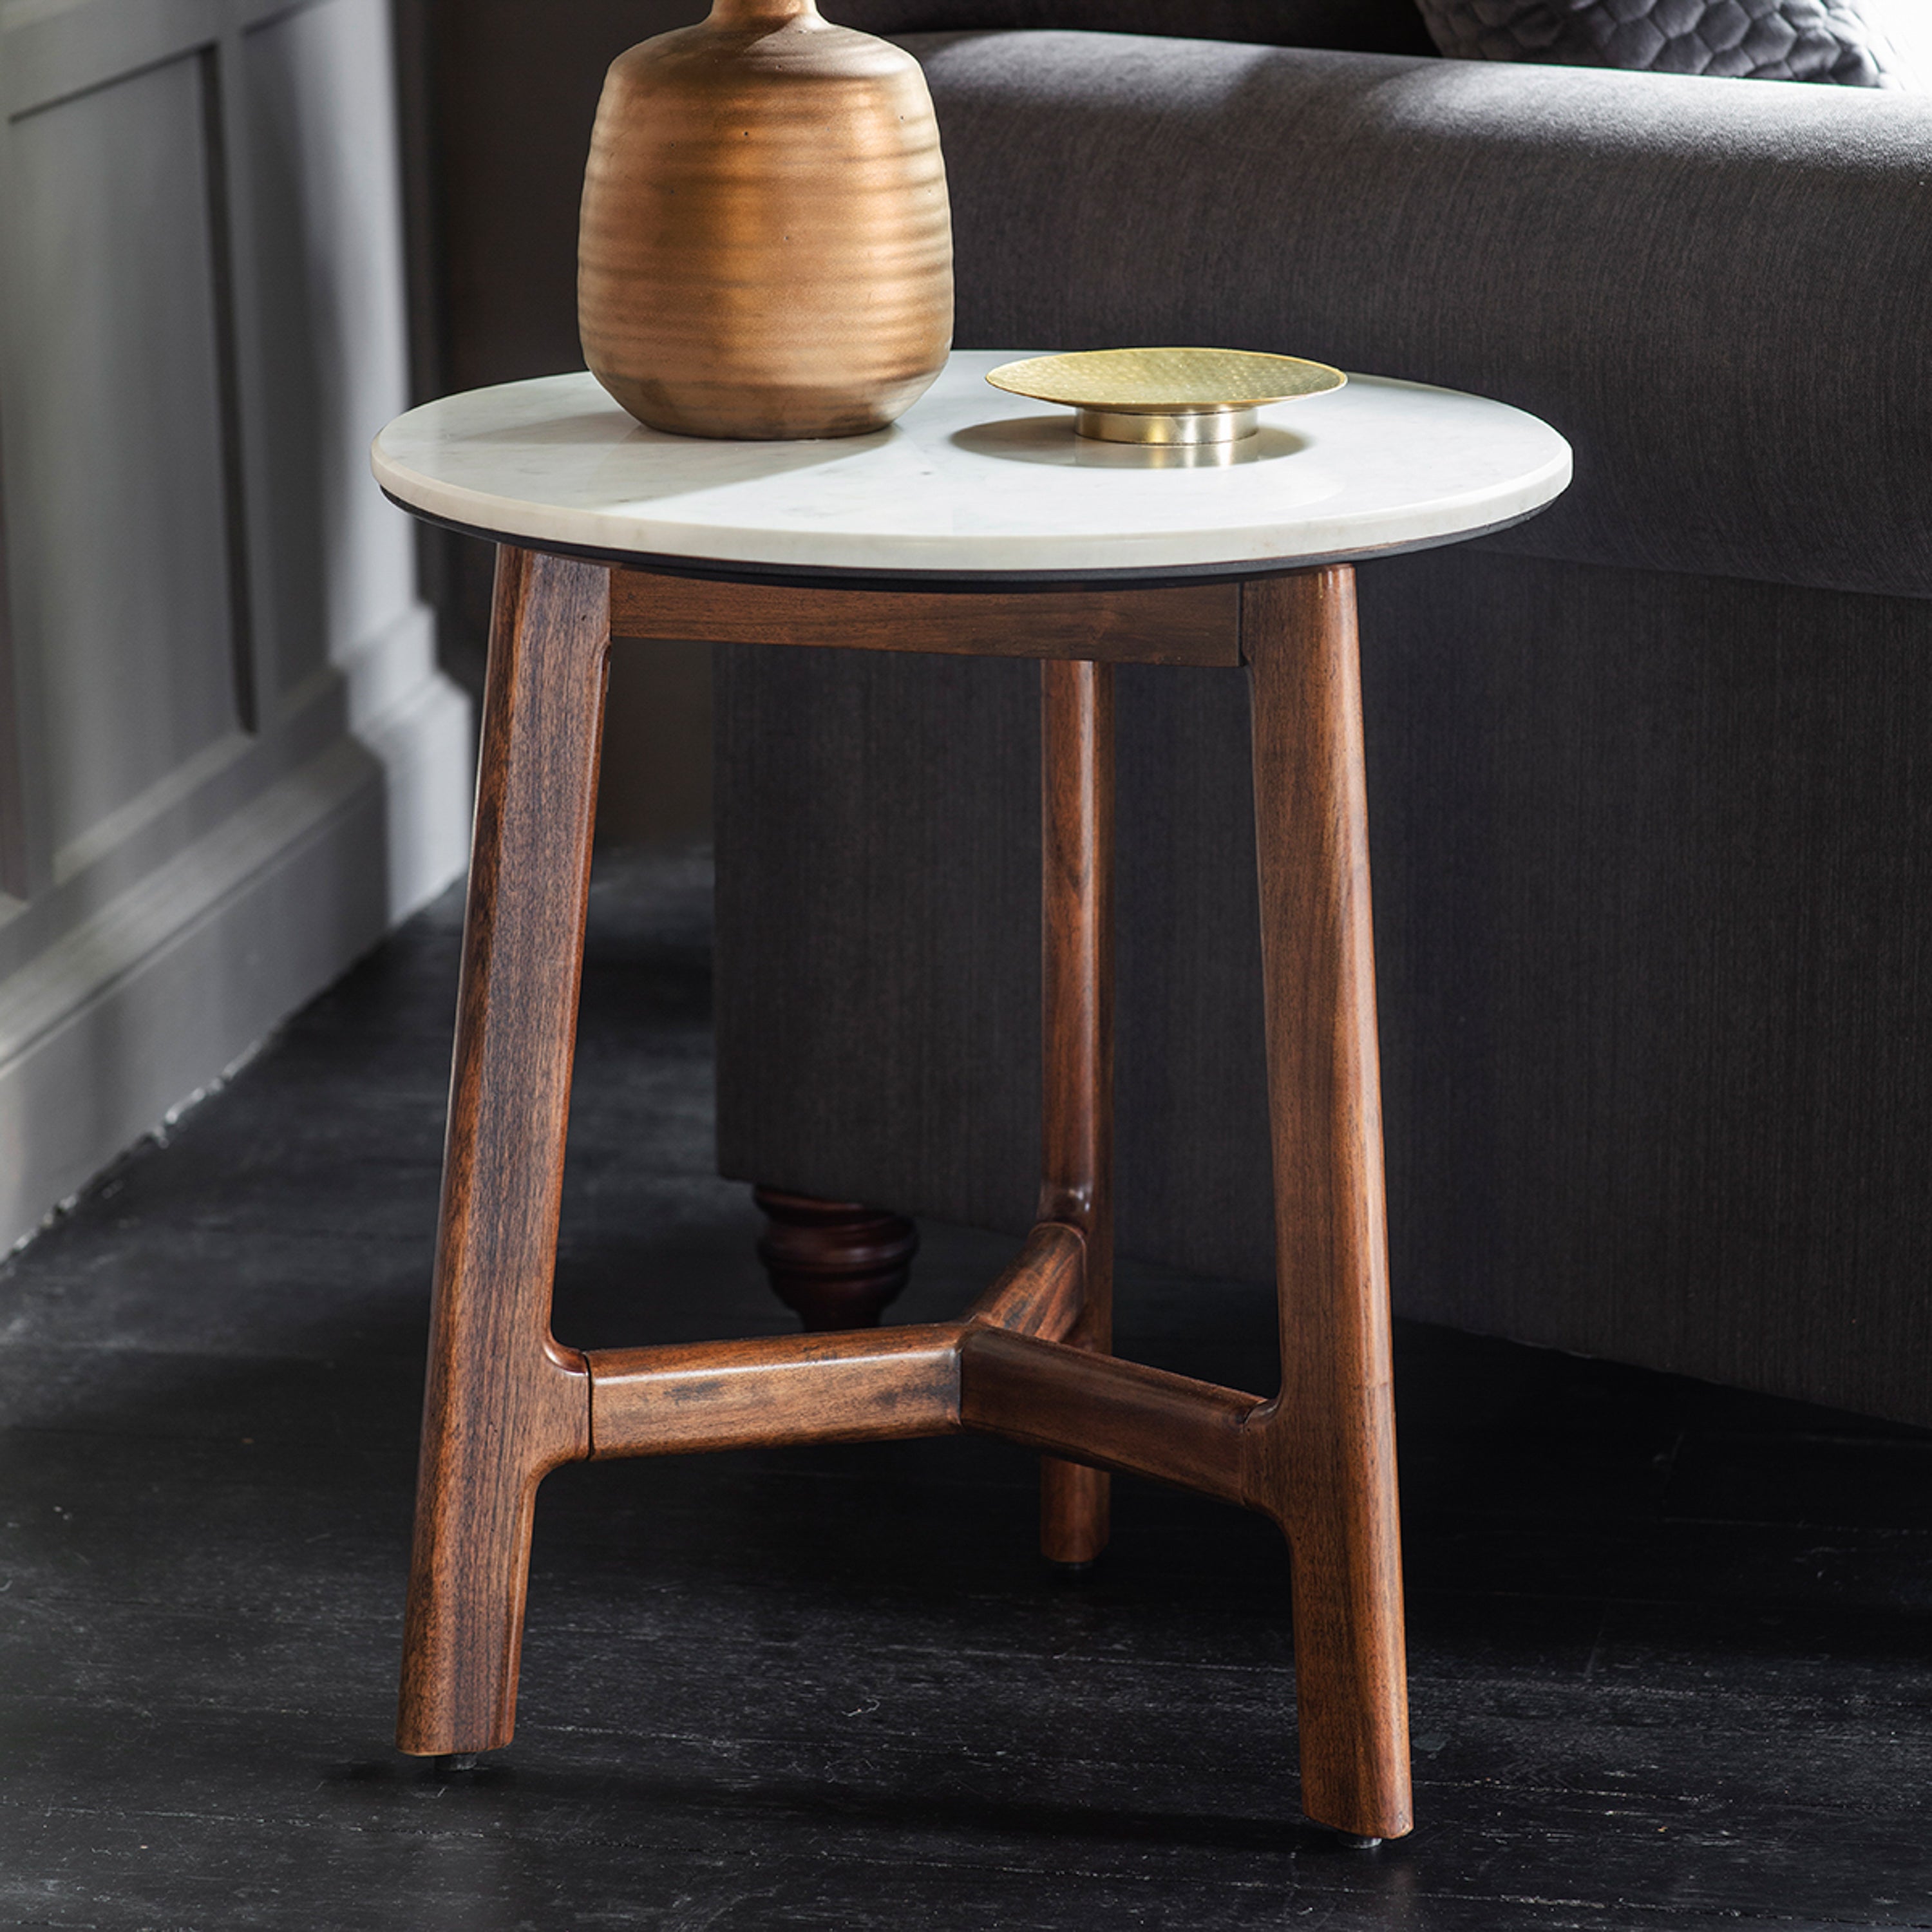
pixel 163 988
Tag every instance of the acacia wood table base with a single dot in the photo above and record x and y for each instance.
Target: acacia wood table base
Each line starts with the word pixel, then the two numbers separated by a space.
pixel 1030 1361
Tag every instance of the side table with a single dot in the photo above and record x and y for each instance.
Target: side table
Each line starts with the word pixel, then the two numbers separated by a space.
pixel 977 524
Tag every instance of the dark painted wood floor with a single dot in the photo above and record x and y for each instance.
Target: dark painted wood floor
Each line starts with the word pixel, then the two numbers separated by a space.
pixel 1671 1647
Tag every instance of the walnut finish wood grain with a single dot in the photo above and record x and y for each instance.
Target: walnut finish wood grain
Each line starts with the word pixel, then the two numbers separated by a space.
pixel 927 1380
pixel 1041 1293
pixel 1324 1463
pixel 505 1403
pixel 864 1387
pixel 1076 741
pixel 1113 1414
pixel 1187 624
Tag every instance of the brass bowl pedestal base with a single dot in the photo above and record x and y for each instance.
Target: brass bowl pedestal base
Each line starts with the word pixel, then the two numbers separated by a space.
pixel 1181 428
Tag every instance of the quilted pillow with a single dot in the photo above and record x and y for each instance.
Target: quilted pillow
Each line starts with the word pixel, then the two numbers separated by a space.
pixel 1762 39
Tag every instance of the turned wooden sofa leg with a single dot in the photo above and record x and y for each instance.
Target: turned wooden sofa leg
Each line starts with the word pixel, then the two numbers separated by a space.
pixel 835 1264
pixel 1325 1460
pixel 505 1403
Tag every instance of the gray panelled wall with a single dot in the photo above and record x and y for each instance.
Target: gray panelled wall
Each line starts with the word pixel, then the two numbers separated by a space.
pixel 228 762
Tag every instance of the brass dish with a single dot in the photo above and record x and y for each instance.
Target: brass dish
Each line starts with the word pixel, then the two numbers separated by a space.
pixel 1183 396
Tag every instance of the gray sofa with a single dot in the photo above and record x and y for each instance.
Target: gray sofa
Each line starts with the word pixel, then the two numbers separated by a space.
pixel 1650 777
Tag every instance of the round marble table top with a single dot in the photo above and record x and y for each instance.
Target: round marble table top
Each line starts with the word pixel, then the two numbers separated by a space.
pixel 973 482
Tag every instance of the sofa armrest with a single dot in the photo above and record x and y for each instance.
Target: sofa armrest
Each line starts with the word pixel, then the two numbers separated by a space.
pixel 1720 291
pixel 1368 26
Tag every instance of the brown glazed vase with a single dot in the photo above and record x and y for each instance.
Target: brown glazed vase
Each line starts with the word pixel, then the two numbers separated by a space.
pixel 765 248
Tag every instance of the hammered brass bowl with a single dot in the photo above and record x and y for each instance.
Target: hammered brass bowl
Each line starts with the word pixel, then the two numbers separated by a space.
pixel 1184 396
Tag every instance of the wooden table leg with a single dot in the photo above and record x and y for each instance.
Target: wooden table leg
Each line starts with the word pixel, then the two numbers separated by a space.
pixel 1326 1465
pixel 505 1403
pixel 1077 1041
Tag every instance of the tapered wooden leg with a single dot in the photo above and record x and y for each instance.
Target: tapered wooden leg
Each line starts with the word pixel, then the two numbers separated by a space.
pixel 835 1264
pixel 505 1403
pixel 1077 1041
pixel 1325 1465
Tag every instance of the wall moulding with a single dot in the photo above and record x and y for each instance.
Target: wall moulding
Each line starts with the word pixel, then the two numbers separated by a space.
pixel 228 760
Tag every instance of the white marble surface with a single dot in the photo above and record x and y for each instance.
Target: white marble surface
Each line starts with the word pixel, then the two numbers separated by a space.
pixel 972 480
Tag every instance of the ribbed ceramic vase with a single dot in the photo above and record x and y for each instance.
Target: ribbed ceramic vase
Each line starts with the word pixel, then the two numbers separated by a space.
pixel 766 248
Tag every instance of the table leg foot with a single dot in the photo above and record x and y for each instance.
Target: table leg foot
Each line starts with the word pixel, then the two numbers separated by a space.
pixel 1074 1512
pixel 1351 1693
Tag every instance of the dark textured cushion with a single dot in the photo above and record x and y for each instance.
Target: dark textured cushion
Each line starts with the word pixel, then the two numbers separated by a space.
pixel 1364 26
pixel 1758 40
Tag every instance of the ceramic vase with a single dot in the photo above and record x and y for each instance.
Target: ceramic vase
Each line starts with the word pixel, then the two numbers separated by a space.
pixel 766 248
